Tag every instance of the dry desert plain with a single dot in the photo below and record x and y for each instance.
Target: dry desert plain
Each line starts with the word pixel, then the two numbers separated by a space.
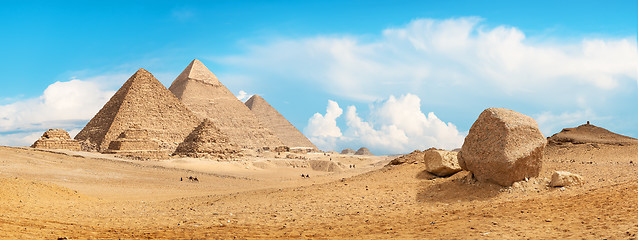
pixel 80 195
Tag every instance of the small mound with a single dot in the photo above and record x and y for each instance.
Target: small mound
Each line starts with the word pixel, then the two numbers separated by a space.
pixel 20 190
pixel 347 151
pixel 588 133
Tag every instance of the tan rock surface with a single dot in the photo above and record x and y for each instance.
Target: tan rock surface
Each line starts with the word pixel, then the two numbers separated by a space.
pixel 207 141
pixel 280 126
pixel 56 139
pixel 503 146
pixel 441 163
pixel 200 90
pixel 145 102
pixel 562 179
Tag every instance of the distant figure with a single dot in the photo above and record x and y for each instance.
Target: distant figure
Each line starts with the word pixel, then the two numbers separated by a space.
pixel 195 179
pixel 181 179
pixel 587 122
pixel 307 176
pixel 354 166
pixel 303 176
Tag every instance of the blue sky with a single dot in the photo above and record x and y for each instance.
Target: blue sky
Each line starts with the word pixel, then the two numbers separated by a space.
pixel 416 73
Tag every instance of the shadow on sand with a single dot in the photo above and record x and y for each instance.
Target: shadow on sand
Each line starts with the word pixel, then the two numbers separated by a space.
pixel 459 187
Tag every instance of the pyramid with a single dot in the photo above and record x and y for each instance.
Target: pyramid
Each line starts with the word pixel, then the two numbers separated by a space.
pixel 137 143
pixel 56 139
pixel 145 102
pixel 273 120
pixel 207 141
pixel 200 90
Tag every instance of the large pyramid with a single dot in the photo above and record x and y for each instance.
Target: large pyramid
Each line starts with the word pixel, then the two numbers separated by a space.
pixel 272 119
pixel 200 90
pixel 143 102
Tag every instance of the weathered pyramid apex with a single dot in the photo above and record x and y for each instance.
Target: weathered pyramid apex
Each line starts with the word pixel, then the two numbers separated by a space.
pixel 196 70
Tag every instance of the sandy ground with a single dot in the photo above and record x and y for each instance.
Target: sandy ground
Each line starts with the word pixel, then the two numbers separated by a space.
pixel 52 195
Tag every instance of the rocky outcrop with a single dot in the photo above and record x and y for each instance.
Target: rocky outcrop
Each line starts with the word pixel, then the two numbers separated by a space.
pixel 503 146
pixel 414 157
pixel 562 179
pixel 57 139
pixel 441 163
pixel 588 133
pixel 363 151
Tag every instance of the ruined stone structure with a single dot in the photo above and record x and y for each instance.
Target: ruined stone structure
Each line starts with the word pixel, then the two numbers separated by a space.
pixel 281 127
pixel 56 139
pixel 200 90
pixel 136 142
pixel 145 102
pixel 363 151
pixel 207 141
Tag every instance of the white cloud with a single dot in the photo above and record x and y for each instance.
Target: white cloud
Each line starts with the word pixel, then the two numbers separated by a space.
pixel 66 105
pixel 395 125
pixel 243 96
pixel 550 123
pixel 451 62
pixel 322 129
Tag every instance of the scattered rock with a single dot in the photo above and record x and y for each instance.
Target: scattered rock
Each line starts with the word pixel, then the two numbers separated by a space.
pixel 503 146
pixel 413 157
pixel 441 163
pixel 562 179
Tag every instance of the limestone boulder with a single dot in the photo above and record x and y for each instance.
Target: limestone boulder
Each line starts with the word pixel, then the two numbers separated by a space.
pixel 562 179
pixel 441 163
pixel 503 147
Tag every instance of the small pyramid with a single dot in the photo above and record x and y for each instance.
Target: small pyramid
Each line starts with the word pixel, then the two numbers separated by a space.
pixel 56 139
pixel 348 151
pixel 200 90
pixel 145 102
pixel 588 133
pixel 136 142
pixel 363 151
pixel 207 141
pixel 272 119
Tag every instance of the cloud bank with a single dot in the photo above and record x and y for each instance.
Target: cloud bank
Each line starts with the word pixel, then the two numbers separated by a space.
pixel 67 105
pixel 460 63
pixel 394 125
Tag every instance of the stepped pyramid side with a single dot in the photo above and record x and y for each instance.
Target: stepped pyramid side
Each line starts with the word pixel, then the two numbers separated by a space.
pixel 200 90
pixel 207 141
pixel 145 102
pixel 272 119
pixel 137 143
pixel 56 139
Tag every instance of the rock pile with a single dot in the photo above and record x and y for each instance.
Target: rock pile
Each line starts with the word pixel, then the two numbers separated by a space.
pixel 503 146
pixel 441 163
pixel 363 151
pixel 207 141
pixel 135 142
pixel 414 157
pixel 56 139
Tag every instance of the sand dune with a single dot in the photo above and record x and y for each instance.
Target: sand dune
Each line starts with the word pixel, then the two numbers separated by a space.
pixel 49 195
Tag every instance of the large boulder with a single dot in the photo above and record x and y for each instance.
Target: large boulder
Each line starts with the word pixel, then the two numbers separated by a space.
pixel 503 147
pixel 441 163
pixel 562 179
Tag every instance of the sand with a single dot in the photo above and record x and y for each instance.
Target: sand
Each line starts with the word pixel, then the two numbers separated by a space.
pixel 89 195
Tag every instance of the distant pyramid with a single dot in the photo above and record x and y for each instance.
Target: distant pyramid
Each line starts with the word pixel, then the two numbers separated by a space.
pixel 272 119
pixel 145 102
pixel 200 90
pixel 207 141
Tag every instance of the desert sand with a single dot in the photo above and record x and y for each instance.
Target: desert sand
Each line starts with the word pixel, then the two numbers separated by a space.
pixel 79 195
